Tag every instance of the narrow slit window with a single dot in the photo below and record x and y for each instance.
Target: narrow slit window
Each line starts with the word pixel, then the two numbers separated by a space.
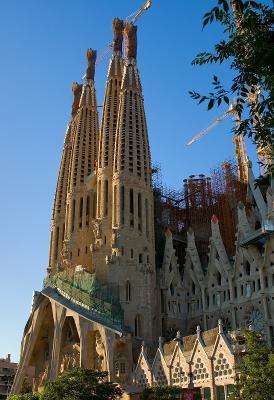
pixel 123 204
pixel 87 210
pixel 73 215
pixel 80 212
pixel 128 291
pixel 56 243
pixel 105 198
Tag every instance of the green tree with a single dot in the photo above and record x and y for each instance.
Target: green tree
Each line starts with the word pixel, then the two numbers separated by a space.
pixel 256 370
pixel 81 384
pixel 161 393
pixel 24 396
pixel 247 48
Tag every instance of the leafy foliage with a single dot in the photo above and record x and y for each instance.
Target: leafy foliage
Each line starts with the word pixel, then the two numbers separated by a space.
pixel 256 370
pixel 161 393
pixel 81 384
pixel 248 29
pixel 24 396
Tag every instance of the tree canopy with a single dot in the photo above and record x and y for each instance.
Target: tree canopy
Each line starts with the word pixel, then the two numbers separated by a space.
pixel 255 371
pixel 24 396
pixel 247 47
pixel 81 384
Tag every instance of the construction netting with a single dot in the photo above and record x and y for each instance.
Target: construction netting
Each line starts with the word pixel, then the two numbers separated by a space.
pixel 81 288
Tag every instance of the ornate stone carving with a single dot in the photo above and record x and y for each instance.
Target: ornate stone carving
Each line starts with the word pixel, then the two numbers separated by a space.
pixel 117 27
pixel 70 358
pixel 130 36
pixel 77 91
pixel 91 59
pixel 96 227
pixel 43 377
pixel 100 361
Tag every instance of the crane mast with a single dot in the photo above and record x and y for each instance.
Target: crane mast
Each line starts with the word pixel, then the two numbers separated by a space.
pixel 132 18
pixel 239 141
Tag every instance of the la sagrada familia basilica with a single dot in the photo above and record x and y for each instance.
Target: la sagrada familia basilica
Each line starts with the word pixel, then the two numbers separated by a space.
pixel 129 288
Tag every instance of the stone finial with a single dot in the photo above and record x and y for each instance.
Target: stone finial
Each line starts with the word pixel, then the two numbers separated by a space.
pixel 198 331
pixel 77 91
pixel 117 27
pixel 91 59
pixel 220 326
pixel 143 346
pixel 130 36
pixel 178 336
pixel 161 342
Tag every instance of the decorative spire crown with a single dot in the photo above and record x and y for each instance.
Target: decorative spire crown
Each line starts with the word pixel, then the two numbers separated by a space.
pixel 117 27
pixel 91 59
pixel 130 36
pixel 76 90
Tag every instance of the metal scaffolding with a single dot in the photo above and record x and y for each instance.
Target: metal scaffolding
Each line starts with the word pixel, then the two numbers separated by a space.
pixel 194 205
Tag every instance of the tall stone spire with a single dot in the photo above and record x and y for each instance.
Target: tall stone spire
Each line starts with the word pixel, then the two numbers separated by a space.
pixel 59 207
pixel 106 152
pixel 132 264
pixel 81 201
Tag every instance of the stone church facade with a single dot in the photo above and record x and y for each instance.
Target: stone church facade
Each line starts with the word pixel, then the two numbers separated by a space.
pixel 105 303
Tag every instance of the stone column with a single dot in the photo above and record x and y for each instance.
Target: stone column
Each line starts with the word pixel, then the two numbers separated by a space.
pixel 25 357
pixel 84 343
pixel 59 315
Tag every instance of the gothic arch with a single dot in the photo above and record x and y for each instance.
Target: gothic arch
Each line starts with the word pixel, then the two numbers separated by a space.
pixel 41 354
pixel 70 345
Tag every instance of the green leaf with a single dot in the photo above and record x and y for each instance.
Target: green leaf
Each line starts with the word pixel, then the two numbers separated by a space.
pixel 210 104
pixel 202 99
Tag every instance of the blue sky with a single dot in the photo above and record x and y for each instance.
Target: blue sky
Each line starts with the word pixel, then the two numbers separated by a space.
pixel 43 44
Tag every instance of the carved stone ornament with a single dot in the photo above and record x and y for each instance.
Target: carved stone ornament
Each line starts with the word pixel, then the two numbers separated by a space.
pixel 96 227
pixel 101 353
pixel 76 90
pixel 43 377
pixel 130 36
pixel 117 27
pixel 91 59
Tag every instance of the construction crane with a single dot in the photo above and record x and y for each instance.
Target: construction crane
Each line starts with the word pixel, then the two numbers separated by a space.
pixel 218 120
pixel 132 18
pixel 239 141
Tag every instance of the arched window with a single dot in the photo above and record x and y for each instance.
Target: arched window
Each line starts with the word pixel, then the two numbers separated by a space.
pixel 171 288
pixel 193 288
pixel 219 278
pixel 247 267
pixel 128 291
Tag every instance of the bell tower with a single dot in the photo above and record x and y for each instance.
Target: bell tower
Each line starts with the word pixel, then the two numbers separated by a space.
pixel 132 263
pixel 103 233
pixel 81 202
